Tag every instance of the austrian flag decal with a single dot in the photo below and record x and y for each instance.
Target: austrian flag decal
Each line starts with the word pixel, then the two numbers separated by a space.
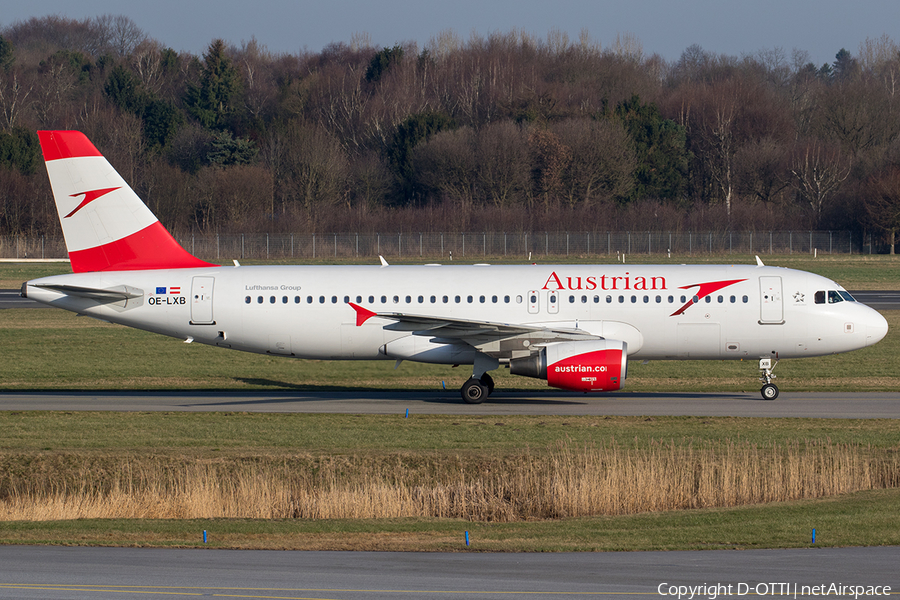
pixel 171 290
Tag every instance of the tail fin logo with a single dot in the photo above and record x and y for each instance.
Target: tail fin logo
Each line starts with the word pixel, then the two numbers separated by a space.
pixel 89 197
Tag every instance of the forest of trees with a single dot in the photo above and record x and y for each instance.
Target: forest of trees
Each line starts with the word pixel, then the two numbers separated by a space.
pixel 500 133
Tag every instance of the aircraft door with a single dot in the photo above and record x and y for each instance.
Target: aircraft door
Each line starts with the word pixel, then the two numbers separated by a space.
pixel 534 302
pixel 771 310
pixel 202 301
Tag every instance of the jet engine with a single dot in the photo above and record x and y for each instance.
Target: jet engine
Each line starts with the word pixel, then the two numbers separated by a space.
pixel 588 366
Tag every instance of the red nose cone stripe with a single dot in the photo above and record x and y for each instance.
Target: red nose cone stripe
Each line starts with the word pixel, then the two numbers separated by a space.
pixel 149 248
pixel 65 144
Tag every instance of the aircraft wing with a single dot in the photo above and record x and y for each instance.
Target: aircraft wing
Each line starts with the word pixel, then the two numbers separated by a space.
pixel 475 333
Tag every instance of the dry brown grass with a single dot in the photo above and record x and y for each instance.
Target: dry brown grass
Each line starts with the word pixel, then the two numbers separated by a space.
pixel 567 481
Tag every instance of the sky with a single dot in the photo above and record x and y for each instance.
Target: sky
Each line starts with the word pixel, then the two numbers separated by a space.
pixel 664 27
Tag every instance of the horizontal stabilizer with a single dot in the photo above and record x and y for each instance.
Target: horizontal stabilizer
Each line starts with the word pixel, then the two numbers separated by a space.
pixel 120 293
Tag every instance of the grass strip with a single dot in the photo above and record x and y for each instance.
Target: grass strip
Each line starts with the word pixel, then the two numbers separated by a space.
pixel 860 519
pixel 57 350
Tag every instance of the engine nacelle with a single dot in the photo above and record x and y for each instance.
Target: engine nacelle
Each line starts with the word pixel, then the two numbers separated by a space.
pixel 588 366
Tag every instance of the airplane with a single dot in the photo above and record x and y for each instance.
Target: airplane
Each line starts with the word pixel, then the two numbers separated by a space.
pixel 575 326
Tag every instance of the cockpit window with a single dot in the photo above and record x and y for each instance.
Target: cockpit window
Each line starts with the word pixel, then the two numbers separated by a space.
pixel 833 296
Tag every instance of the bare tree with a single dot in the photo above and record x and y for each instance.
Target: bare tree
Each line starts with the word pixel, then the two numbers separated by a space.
pixel 13 97
pixel 602 160
pixel 881 198
pixel 818 170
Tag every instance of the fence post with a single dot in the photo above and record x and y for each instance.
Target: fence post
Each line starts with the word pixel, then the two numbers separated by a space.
pixel 399 244
pixel 420 244
pixel 649 249
pixel 335 245
pixel 484 243
pixel 314 246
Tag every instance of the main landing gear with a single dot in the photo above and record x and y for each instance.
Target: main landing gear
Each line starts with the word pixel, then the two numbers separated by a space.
pixel 480 385
pixel 769 390
pixel 474 391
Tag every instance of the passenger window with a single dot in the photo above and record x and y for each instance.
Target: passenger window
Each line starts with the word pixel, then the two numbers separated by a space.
pixel 247 300
pixel 457 299
pixel 745 299
pixel 371 299
pixel 684 299
pixel 634 299
pixel 533 298
pixel 346 299
pixel 571 299
pixel 384 299
pixel 584 299
pixel 321 299
pixel 621 299
pixel 708 299
pixel 284 299
pixel 608 299
pixel 433 299
pixel 721 299
pixel 506 299
pixel 552 298
pixel 481 299
pixel 646 299
pixel 469 299
pixel 519 299
pixel 671 299
pixel 271 299
pixel 359 299
pixel 421 299
pixel 334 299
pixel 494 299
pixel 296 299
pixel 659 299
pixel 445 299
pixel 259 299
pixel 409 299
pixel 596 299
pixel 396 299
pixel 309 299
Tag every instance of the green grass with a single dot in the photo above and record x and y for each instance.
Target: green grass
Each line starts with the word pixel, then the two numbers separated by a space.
pixel 216 434
pixel 57 350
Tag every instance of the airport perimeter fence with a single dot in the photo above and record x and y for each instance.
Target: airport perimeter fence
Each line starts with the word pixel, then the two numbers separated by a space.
pixel 474 246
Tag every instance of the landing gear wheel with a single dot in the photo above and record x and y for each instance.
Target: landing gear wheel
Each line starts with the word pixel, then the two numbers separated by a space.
pixel 474 392
pixel 769 391
pixel 488 382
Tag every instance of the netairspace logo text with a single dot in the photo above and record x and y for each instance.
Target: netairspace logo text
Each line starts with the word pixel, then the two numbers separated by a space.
pixel 791 590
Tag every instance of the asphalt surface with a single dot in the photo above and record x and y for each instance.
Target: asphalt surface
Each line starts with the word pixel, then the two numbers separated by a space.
pixel 879 300
pixel 87 573
pixel 834 405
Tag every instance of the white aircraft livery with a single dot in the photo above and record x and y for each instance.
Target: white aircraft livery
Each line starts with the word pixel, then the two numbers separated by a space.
pixel 576 326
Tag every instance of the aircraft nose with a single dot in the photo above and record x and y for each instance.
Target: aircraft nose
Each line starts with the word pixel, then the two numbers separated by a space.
pixel 876 328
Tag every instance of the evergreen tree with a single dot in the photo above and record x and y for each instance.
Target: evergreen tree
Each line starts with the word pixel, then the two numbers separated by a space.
pixel 382 62
pixel 414 130
pixel 660 148
pixel 211 102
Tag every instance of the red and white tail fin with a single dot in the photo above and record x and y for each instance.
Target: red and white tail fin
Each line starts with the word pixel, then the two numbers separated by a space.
pixel 106 226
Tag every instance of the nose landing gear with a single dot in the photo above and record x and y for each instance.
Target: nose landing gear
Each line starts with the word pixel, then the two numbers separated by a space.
pixel 769 390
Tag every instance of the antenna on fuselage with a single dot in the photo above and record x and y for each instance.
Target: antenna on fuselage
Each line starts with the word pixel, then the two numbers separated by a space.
pixel 384 263
pixel 759 262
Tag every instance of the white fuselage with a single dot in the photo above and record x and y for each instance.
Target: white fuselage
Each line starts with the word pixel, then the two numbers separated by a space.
pixel 740 311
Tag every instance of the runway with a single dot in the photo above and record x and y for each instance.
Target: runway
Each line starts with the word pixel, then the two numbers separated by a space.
pixel 833 405
pixel 87 573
